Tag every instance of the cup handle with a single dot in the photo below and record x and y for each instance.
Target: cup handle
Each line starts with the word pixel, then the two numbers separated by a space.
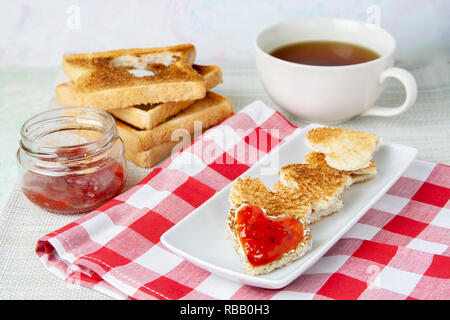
pixel 410 85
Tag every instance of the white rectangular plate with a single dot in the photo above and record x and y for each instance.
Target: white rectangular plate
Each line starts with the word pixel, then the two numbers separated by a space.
pixel 201 236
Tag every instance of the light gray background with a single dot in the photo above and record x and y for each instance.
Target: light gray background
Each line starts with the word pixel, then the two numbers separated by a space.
pixel 37 33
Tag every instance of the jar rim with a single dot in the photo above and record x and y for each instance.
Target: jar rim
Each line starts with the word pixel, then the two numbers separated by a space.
pixel 47 117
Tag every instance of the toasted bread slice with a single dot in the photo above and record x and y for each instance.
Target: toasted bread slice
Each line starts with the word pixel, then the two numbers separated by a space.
pixel 207 112
pixel 317 159
pixel 303 246
pixel 106 80
pixel 212 75
pixel 153 156
pixel 344 149
pixel 322 185
pixel 148 116
pixel 76 66
pixel 248 190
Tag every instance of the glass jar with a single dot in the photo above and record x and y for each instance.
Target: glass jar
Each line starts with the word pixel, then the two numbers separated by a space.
pixel 71 160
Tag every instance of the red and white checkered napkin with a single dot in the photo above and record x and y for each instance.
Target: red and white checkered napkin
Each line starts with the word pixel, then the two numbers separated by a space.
pixel 398 250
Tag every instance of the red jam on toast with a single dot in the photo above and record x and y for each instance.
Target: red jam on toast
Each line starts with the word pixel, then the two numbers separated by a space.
pixel 265 239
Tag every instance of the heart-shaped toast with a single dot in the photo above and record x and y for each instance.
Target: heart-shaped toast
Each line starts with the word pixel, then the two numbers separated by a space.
pixel 266 242
pixel 322 185
pixel 317 159
pixel 248 190
pixel 344 149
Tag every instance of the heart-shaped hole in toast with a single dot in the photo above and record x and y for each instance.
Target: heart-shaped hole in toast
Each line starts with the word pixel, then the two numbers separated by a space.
pixel 265 239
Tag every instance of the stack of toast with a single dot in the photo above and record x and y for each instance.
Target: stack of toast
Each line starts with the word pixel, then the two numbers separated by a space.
pixel 307 191
pixel 158 96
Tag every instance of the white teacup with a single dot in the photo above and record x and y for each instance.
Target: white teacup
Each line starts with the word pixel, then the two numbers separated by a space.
pixel 333 94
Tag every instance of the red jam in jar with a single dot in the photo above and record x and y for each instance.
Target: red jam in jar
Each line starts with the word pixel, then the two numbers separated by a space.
pixel 265 239
pixel 71 160
pixel 74 192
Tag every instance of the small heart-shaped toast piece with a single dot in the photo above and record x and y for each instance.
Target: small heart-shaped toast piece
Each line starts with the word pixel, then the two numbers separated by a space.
pixel 322 185
pixel 344 149
pixel 265 242
pixel 317 159
pixel 249 190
